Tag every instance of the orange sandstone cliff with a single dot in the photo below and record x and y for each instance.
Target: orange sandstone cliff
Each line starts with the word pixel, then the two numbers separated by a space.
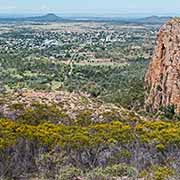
pixel 163 76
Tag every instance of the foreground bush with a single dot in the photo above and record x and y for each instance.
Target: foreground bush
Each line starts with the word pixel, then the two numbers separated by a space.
pixel 137 143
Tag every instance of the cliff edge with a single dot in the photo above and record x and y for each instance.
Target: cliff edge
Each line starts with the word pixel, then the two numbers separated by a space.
pixel 163 76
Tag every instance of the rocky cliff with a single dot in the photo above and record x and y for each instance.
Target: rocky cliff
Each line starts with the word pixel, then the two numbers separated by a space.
pixel 163 76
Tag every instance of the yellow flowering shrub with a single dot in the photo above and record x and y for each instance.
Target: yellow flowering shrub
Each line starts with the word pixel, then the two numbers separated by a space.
pixel 159 133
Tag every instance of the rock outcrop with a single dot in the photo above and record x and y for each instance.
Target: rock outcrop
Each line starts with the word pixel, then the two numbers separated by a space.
pixel 163 76
pixel 13 105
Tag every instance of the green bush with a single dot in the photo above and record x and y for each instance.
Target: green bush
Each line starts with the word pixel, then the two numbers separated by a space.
pixel 168 112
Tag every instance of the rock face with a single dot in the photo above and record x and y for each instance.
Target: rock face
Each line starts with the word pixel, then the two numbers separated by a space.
pixel 163 76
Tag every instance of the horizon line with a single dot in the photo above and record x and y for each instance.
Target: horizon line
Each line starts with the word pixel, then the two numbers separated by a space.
pixel 91 14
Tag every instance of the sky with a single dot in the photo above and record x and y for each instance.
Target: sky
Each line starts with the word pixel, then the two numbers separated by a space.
pixel 154 7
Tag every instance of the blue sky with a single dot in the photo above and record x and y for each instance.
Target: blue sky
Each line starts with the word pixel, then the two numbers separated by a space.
pixel 91 6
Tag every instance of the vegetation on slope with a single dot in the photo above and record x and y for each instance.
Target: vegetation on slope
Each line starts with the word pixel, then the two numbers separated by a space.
pixel 123 85
pixel 42 145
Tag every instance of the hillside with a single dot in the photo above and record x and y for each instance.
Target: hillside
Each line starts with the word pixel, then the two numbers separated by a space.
pixel 82 138
pixel 73 118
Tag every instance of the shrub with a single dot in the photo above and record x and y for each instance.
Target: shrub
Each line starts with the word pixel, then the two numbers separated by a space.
pixel 68 173
pixel 40 113
pixel 169 111
pixel 162 173
pixel 49 164
pixel 109 172
pixel 158 173
pixel 96 174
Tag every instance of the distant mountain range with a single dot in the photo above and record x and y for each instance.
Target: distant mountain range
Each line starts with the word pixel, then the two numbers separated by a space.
pixel 154 19
pixel 54 18
pixel 46 18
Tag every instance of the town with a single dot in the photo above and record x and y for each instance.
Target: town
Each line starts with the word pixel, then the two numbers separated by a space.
pixel 86 42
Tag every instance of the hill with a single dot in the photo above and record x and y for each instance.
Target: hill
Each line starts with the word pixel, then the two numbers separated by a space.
pixel 154 19
pixel 54 18
pixel 56 122
pixel 82 138
pixel 46 18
